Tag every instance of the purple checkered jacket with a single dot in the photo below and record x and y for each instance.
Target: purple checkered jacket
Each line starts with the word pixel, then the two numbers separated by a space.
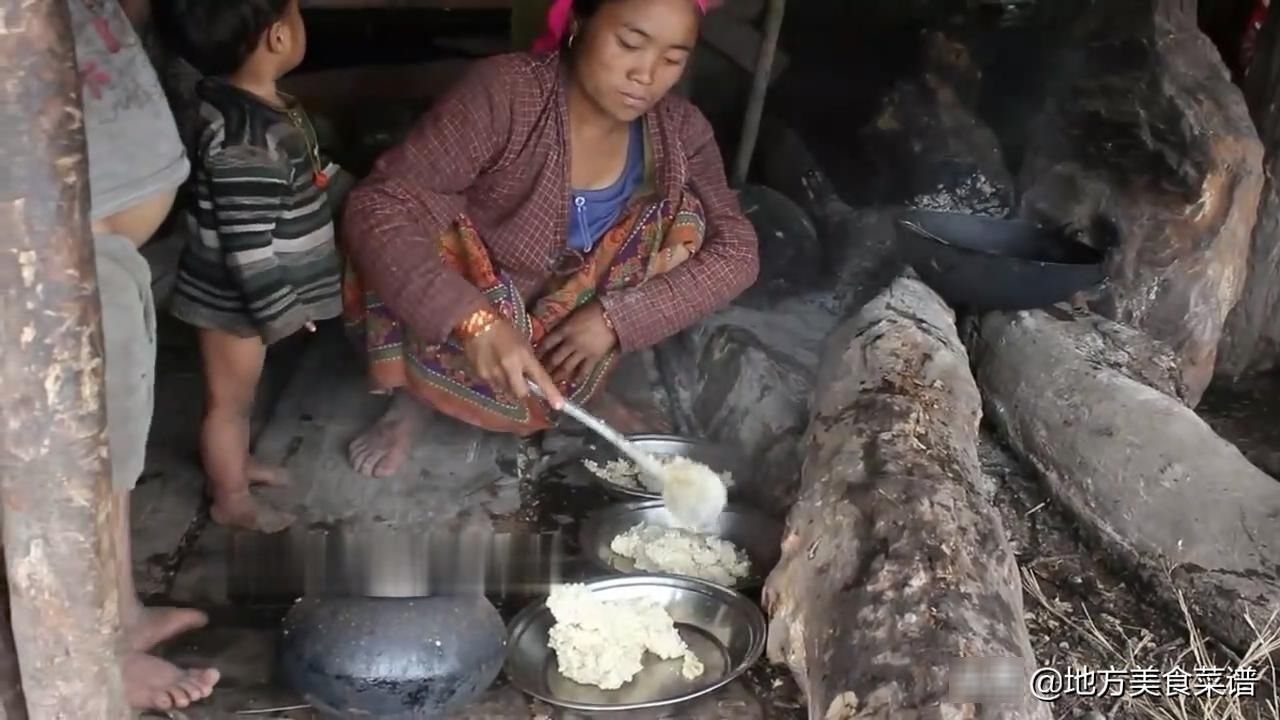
pixel 494 149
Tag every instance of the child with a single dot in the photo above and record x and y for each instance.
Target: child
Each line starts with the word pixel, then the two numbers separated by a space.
pixel 261 262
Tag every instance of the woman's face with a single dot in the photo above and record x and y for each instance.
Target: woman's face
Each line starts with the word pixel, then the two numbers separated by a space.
pixel 632 52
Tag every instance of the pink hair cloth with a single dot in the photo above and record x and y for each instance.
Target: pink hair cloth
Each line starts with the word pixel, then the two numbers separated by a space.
pixel 558 22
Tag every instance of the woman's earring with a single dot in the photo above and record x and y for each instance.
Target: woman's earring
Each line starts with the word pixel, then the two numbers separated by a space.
pixel 572 37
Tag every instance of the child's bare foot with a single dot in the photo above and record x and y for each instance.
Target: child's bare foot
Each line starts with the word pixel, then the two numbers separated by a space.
pixel 154 684
pixel 152 626
pixel 243 510
pixel 260 473
pixel 382 450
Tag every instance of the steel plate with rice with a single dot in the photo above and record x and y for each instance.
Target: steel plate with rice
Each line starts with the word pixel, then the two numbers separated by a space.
pixel 604 459
pixel 754 533
pixel 723 628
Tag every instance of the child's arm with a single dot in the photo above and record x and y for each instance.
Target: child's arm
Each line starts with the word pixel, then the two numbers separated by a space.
pixel 247 191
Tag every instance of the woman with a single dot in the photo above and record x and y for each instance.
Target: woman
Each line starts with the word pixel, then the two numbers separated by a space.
pixel 555 210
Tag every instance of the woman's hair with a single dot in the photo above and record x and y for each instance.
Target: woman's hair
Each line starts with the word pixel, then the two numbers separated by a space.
pixel 583 10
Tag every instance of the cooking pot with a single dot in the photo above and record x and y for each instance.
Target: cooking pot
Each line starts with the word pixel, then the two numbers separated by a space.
pixel 391 658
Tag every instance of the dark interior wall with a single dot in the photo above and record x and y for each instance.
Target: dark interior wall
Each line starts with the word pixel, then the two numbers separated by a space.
pixel 845 58
pixel 342 38
pixel 1224 22
pixel 848 55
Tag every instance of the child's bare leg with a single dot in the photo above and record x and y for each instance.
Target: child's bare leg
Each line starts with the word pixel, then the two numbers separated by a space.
pixel 232 367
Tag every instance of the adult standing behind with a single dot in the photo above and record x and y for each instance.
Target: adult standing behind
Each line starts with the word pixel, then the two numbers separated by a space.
pixel 136 164
pixel 557 208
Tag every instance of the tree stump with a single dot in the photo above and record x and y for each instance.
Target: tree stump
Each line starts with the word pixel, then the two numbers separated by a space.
pixel 1251 341
pixel 1146 133
pixel 895 563
pixel 1093 407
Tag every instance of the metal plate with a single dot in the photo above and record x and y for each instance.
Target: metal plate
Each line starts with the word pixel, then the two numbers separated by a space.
pixel 723 628
pixel 757 534
pixel 717 457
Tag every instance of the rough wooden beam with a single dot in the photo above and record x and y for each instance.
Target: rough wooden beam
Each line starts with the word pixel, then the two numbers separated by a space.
pixel 1093 407
pixel 54 477
pixel 761 76
pixel 895 564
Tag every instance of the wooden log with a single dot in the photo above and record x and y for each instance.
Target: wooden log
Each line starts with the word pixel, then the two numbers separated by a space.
pixel 1093 407
pixel 54 476
pixel 895 564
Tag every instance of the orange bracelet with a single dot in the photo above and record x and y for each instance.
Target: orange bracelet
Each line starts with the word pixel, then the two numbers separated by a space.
pixel 476 324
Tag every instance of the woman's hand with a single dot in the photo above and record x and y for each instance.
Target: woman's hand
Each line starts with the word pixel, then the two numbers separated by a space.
pixel 572 350
pixel 504 360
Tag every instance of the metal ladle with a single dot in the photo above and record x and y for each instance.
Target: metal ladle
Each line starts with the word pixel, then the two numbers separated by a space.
pixel 642 459
pixel 694 500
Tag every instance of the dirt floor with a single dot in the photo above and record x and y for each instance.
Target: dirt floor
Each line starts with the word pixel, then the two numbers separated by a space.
pixel 1079 614
pixel 1082 615
pixel 461 477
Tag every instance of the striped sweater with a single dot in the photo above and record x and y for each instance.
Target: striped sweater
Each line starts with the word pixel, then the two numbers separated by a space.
pixel 260 257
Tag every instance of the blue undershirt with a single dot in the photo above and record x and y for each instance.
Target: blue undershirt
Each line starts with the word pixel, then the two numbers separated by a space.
pixel 592 212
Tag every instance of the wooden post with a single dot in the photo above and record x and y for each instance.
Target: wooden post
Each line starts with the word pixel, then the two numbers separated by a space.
pixel 54 477
pixel 759 88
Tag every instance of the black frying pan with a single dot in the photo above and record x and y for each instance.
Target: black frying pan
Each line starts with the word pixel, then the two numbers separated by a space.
pixel 983 263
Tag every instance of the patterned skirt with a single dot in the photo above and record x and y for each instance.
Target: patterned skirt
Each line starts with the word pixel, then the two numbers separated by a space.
pixel 648 241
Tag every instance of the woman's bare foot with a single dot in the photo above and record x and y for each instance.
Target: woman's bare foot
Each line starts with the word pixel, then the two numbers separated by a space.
pixel 152 626
pixel 243 510
pixel 154 684
pixel 382 450
pixel 260 473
